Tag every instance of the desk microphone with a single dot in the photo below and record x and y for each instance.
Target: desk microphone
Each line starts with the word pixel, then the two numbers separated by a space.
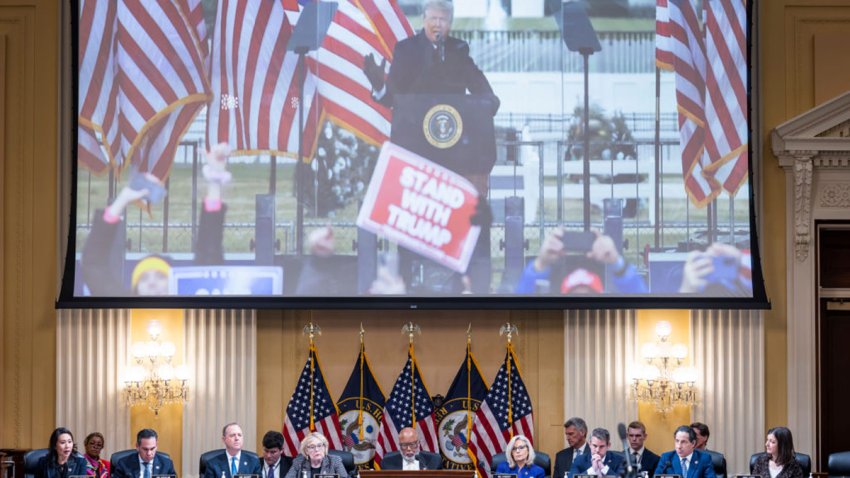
pixel 630 469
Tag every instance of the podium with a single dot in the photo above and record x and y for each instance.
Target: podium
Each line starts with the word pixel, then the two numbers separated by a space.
pixel 455 131
pixel 417 474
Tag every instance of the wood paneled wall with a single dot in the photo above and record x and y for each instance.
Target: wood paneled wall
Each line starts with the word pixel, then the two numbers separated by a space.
pixel 282 352
pixel 29 31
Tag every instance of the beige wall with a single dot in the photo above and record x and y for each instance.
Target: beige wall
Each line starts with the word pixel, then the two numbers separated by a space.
pixel 803 49
pixel 28 150
pixel 804 62
pixel 439 351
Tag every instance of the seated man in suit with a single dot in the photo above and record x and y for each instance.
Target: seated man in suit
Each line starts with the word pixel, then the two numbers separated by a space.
pixel 641 457
pixel 575 431
pixel 685 460
pixel 601 461
pixel 702 432
pixel 146 463
pixel 275 465
pixel 232 461
pixel 410 457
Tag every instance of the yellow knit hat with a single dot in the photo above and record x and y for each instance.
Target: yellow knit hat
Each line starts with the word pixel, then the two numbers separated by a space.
pixel 150 263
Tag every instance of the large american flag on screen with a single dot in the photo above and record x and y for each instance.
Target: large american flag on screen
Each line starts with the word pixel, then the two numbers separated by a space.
pixel 710 64
pixel 505 412
pixel 142 81
pixel 310 409
pixel 255 95
pixel 688 46
pixel 359 27
pixel 409 405
pixel 663 51
pixel 726 92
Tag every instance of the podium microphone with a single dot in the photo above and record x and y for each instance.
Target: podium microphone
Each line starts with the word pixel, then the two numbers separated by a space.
pixel 441 47
pixel 630 469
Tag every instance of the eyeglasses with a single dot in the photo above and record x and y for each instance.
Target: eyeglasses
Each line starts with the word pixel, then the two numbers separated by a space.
pixel 414 444
pixel 315 447
pixel 520 447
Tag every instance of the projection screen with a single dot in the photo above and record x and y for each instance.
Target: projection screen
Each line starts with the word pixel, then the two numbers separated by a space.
pixel 413 154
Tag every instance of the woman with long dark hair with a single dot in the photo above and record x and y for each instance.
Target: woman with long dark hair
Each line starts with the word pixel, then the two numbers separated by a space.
pixel 779 460
pixel 62 460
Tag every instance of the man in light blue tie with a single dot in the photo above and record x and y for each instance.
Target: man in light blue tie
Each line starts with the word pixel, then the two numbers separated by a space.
pixel 233 460
pixel 146 463
pixel 685 460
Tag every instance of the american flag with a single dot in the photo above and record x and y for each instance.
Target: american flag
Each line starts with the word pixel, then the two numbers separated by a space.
pixel 505 412
pixel 409 405
pixel 142 81
pixel 162 84
pixel 98 89
pixel 663 52
pixel 688 45
pixel 359 27
pixel 255 95
pixel 310 409
pixel 726 92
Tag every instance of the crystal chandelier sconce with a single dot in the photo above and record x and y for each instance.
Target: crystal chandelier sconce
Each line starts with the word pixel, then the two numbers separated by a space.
pixel 661 380
pixel 153 380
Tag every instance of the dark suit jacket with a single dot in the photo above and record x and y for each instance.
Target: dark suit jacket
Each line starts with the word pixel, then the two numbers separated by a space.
pixel 76 465
pixel 564 461
pixel 431 461
pixel 331 465
pixel 129 467
pixel 699 467
pixel 283 466
pixel 417 69
pixel 219 465
pixel 648 461
pixel 615 462
pixel 789 470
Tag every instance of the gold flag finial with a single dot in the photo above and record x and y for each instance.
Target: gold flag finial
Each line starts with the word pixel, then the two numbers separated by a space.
pixel 508 329
pixel 312 330
pixel 411 329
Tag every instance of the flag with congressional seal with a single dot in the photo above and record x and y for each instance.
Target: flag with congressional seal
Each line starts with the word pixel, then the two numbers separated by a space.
pixel 505 412
pixel 409 405
pixel 311 409
pixel 361 407
pixel 454 417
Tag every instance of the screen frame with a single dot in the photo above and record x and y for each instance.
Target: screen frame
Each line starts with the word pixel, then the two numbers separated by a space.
pixel 67 300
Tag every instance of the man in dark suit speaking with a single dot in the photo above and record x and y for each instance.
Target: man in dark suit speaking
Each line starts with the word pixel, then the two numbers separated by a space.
pixel 430 62
pixel 434 63
pixel 233 460
pixel 147 462
pixel 685 460
pixel 410 457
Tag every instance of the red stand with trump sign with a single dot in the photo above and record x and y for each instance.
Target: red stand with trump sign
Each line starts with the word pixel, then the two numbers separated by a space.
pixel 421 206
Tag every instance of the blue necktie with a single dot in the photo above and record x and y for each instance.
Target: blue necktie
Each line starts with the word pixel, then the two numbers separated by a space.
pixel 684 467
pixel 147 469
pixel 233 468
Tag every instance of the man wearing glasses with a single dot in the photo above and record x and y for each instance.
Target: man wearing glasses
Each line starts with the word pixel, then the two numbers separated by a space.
pixel 411 457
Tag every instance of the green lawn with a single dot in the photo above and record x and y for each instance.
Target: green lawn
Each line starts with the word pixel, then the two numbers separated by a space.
pixel 145 231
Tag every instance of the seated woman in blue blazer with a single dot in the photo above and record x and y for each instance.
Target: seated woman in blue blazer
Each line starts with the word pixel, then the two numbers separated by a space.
pixel 520 459
pixel 62 459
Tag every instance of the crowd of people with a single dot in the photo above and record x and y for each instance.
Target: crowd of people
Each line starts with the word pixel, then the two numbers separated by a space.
pixel 689 458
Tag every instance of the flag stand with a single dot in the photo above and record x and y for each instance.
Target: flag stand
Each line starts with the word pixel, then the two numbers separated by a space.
pixel 578 35
pixel 309 32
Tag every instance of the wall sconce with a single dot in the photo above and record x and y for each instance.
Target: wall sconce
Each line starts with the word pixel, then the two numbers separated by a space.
pixel 662 381
pixel 153 381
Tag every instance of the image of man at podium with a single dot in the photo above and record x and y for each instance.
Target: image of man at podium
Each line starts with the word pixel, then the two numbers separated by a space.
pixel 443 108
